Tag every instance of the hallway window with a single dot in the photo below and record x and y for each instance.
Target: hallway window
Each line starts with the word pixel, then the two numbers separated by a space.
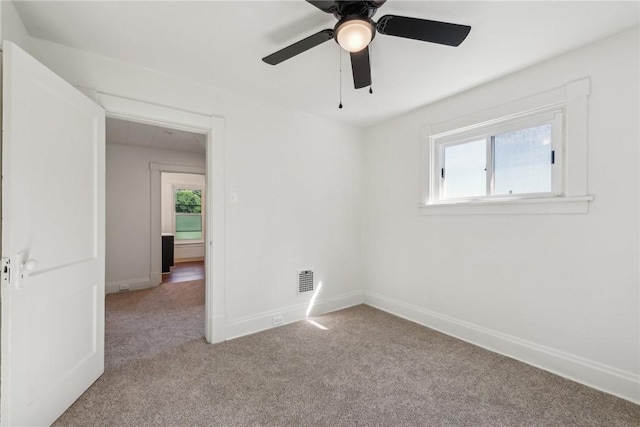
pixel 188 203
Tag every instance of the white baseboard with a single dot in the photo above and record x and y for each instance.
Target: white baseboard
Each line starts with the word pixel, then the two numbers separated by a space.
pixel 251 324
pixel 133 284
pixel 155 278
pixel 217 327
pixel 588 372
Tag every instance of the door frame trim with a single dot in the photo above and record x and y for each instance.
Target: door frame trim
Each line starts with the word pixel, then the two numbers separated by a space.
pixel 125 108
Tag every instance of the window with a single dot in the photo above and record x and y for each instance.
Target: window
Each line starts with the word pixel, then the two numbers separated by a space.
pixel 524 156
pixel 188 214
pixel 517 158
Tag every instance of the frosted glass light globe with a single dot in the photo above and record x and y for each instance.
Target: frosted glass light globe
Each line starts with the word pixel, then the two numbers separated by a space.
pixel 353 36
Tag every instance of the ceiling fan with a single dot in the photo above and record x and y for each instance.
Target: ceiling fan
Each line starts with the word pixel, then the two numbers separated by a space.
pixel 355 30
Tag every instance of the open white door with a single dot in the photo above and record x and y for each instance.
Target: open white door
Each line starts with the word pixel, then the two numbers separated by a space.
pixel 53 237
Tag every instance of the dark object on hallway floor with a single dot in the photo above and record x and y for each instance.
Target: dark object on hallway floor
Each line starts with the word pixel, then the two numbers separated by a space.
pixel 167 252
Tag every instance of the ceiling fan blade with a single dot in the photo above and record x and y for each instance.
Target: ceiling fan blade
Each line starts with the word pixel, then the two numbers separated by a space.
pixel 361 68
pixel 423 29
pixel 298 47
pixel 325 6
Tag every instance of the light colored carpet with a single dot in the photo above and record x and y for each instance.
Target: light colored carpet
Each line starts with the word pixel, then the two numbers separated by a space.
pixel 367 368
pixel 143 324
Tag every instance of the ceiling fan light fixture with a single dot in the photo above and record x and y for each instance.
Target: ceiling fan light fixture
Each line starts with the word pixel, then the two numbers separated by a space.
pixel 353 35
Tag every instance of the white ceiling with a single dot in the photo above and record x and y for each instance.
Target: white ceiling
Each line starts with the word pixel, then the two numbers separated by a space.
pixel 122 132
pixel 222 43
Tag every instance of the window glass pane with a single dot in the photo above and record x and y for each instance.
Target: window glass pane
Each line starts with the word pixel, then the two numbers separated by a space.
pixel 188 214
pixel 188 201
pixel 522 161
pixel 186 222
pixel 188 235
pixel 188 226
pixel 464 166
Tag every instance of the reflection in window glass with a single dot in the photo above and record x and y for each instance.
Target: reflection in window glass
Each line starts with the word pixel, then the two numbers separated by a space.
pixel 464 166
pixel 522 161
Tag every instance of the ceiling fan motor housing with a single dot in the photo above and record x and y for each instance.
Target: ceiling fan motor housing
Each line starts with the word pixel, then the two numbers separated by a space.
pixel 366 8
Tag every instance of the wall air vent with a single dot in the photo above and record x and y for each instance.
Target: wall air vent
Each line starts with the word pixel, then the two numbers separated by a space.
pixel 305 281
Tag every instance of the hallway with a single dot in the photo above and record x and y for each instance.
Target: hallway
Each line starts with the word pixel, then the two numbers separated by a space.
pixel 142 324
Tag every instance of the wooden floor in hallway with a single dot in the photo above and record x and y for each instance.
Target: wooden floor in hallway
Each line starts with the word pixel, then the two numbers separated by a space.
pixel 184 272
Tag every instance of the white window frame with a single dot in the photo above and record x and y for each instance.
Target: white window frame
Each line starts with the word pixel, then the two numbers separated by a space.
pixel 567 105
pixel 175 188
pixel 441 142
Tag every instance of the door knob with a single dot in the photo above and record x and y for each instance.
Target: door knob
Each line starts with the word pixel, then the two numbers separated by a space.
pixel 30 264
pixel 25 266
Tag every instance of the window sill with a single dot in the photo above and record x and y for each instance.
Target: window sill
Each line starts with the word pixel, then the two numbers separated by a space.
pixel 188 242
pixel 547 205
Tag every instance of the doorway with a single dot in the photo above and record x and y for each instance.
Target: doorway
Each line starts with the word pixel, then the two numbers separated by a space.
pixel 144 316
pixel 137 155
pixel 183 218
pixel 121 107
pixel 183 227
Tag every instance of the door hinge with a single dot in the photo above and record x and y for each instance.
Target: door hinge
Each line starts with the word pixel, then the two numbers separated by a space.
pixel 442 173
pixel 553 157
pixel 6 271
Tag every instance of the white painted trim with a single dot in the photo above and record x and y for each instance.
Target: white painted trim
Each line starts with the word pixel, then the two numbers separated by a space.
pixel 262 321
pixel 215 235
pixel 122 107
pixel 523 106
pixel 134 285
pixel 165 167
pixel 155 277
pixel 588 372
pixel 218 325
pixel 547 205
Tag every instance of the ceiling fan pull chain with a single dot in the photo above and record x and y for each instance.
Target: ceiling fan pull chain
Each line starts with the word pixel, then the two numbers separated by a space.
pixel 340 53
pixel 370 56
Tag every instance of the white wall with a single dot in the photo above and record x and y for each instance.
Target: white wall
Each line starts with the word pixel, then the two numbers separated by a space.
pixel 170 181
pixel 128 220
pixel 11 26
pixel 298 179
pixel 559 291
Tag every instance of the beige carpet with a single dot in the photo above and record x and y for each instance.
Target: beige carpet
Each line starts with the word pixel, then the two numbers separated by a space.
pixel 367 368
pixel 144 324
